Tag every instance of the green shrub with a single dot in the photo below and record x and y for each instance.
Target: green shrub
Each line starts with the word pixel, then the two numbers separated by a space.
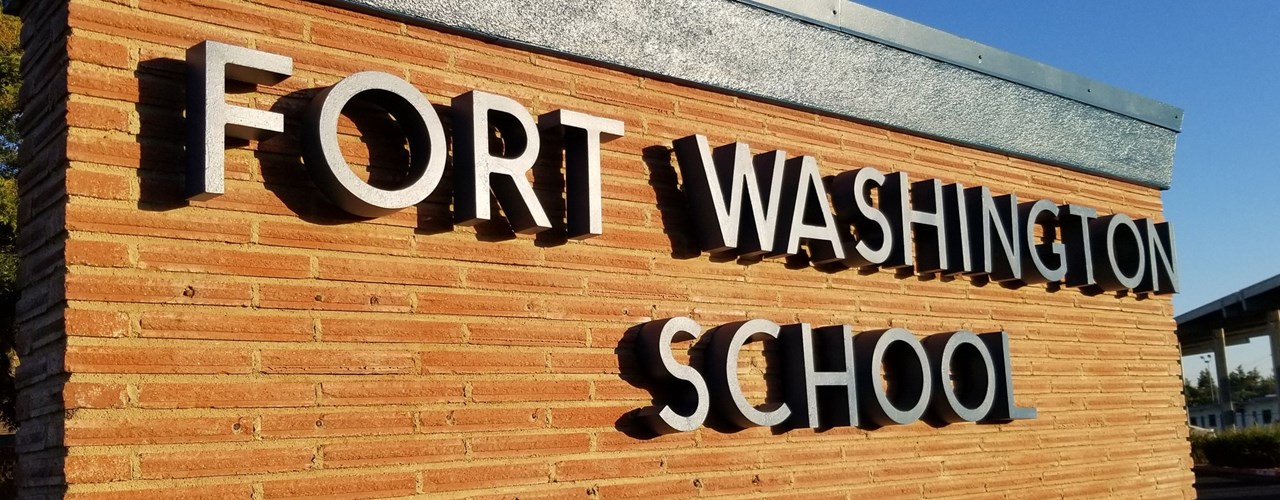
pixel 1255 447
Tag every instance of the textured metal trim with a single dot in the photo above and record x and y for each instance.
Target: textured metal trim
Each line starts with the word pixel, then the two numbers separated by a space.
pixel 865 22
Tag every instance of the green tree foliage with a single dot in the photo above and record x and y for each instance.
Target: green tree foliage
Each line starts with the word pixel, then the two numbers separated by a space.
pixel 1203 392
pixel 1250 384
pixel 1245 385
pixel 10 81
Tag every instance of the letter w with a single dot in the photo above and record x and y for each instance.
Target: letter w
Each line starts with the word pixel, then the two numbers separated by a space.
pixel 715 181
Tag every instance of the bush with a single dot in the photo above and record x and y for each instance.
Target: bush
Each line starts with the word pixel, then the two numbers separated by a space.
pixel 1255 447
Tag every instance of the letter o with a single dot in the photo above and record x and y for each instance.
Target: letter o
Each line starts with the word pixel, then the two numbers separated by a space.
pixel 976 378
pixel 411 110
pixel 906 366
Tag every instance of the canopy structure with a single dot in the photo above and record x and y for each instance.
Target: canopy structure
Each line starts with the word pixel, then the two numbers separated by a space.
pixel 1253 311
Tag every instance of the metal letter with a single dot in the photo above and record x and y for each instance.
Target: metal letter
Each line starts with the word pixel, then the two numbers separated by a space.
pixel 1117 255
pixel 852 198
pixel 896 205
pixel 715 183
pixel 1160 255
pixel 477 171
pixel 995 220
pixel 804 197
pixel 583 135
pixel 906 367
pixel 655 352
pixel 210 119
pixel 722 372
pixel 414 114
pixel 1079 247
pixel 930 245
pixel 965 378
pixel 803 378
pixel 805 183
pixel 957 235
pixel 1043 213
pixel 1004 409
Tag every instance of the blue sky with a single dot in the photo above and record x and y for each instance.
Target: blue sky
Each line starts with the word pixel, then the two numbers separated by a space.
pixel 1220 62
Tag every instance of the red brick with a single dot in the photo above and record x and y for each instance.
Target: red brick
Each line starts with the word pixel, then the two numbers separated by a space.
pixel 100 52
pixel 529 445
pixel 483 476
pixel 97 468
pixel 97 253
pixel 97 116
pixel 523 281
pixel 310 236
pixel 141 359
pixel 333 298
pixel 482 362
pixel 530 390
pixel 608 468
pixel 483 418
pixel 313 424
pixel 178 224
pixel 475 304
pixel 204 492
pixel 219 260
pixel 360 486
pixel 388 271
pixel 372 329
pixel 184 464
pixel 526 335
pixel 220 325
pixel 398 452
pixel 390 392
pixel 133 289
pixel 329 361
pixel 93 395
pixel 89 323
pixel 82 432
pixel 652 488
pixel 225 395
pixel 100 185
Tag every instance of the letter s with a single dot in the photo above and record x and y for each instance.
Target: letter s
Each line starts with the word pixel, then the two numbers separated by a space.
pixel 656 338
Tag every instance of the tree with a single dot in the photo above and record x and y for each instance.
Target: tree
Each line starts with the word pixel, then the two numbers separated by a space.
pixel 1244 386
pixel 10 82
pixel 1203 392
pixel 1250 384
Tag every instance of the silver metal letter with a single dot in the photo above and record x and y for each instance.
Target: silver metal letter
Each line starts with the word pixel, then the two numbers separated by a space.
pixel 1119 253
pixel 959 260
pixel 852 199
pixel 906 366
pixel 583 135
pixel 803 378
pixel 655 350
pixel 1079 247
pixel 477 170
pixel 810 203
pixel 1004 409
pixel 210 120
pixel 718 208
pixel 412 112
pixel 995 220
pixel 965 378
pixel 1160 255
pixel 722 370
pixel 931 244
pixel 1043 213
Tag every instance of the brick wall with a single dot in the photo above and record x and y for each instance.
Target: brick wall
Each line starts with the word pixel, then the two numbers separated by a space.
pixel 264 345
